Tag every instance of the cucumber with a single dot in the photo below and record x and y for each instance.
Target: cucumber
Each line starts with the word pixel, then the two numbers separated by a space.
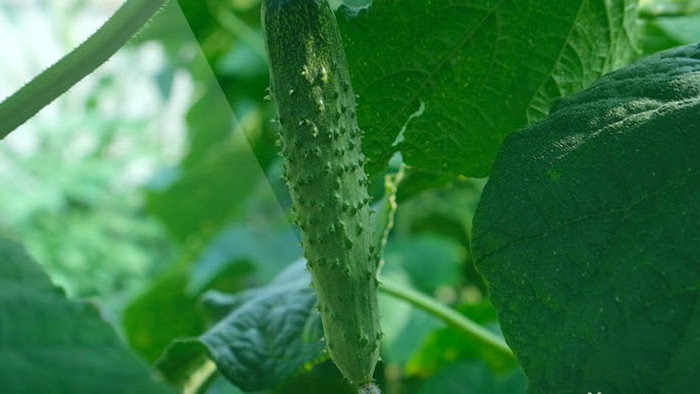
pixel 324 169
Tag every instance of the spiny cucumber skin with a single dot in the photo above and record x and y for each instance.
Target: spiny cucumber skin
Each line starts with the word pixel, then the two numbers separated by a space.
pixel 324 169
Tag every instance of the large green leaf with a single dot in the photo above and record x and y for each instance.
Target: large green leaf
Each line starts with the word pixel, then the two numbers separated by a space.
pixel 589 234
pixel 474 70
pixel 53 345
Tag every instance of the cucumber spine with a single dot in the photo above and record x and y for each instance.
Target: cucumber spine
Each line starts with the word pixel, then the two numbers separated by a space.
pixel 324 169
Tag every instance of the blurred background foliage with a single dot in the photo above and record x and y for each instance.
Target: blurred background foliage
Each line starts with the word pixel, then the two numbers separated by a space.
pixel 157 179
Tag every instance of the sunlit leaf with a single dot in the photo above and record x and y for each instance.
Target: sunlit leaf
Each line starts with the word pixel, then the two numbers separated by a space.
pixel 473 71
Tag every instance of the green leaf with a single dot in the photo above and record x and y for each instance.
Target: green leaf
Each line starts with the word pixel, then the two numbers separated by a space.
pixel 448 344
pixel 405 327
pixel 473 71
pixel 431 261
pixel 472 377
pixel 324 378
pixel 665 32
pixel 269 247
pixel 164 312
pixel 589 234
pixel 53 345
pixel 269 336
pixel 207 191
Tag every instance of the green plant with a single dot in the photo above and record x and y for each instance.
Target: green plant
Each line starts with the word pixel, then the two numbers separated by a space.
pixel 324 168
pixel 586 232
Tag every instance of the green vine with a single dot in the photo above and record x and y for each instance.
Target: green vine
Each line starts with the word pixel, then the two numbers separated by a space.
pixel 57 79
pixel 449 315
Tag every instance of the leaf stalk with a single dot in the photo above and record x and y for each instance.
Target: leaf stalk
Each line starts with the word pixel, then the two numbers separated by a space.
pixel 447 314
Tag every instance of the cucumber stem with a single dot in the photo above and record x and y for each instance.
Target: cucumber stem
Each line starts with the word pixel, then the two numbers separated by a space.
pixel 449 315
pixel 69 70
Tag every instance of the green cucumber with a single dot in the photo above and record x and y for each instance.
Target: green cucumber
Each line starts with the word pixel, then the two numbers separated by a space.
pixel 324 169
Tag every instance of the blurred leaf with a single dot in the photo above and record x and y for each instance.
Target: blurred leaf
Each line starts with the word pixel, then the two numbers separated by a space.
pixel 448 344
pixel 417 181
pixel 405 328
pixel 248 252
pixel 472 377
pixel 269 249
pixel 684 29
pixel 447 211
pixel 54 345
pixel 666 32
pixel 221 304
pixel 227 161
pixel 218 304
pixel 231 278
pixel 199 19
pixel 214 178
pixel 242 61
pixel 324 378
pixel 669 23
pixel 655 39
pixel 588 233
pixel 230 40
pixel 165 312
pixel 273 334
pixel 479 69
pixel 430 261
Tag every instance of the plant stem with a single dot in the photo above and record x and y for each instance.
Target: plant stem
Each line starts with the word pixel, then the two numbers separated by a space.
pixel 83 60
pixel 445 313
